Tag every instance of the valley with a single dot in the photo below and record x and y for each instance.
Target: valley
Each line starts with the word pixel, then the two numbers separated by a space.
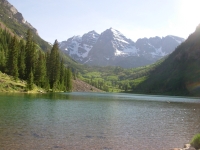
pixel 99 90
pixel 111 62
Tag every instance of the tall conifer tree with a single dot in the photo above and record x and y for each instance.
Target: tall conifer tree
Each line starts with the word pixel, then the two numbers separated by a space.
pixel 54 68
pixel 62 76
pixel 69 80
pixel 30 49
pixel 21 60
pixel 30 81
pixel 12 60
pixel 40 71
pixel 2 60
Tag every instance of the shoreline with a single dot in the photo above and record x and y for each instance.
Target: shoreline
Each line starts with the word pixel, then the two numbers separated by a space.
pixel 186 147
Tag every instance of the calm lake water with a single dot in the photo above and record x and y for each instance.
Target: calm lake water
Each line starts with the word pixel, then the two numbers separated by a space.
pixel 97 121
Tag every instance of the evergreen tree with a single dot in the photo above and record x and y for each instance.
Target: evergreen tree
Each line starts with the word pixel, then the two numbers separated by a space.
pixel 40 71
pixel 62 75
pixel 30 49
pixel 65 79
pixel 5 44
pixel 30 81
pixel 33 57
pixel 48 64
pixel 46 84
pixel 69 80
pixel 2 60
pixel 21 60
pixel 12 60
pixel 54 66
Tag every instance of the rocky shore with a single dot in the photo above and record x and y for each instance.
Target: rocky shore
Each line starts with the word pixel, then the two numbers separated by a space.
pixel 186 147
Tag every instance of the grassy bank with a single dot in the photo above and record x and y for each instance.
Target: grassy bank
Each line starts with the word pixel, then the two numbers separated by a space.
pixel 8 84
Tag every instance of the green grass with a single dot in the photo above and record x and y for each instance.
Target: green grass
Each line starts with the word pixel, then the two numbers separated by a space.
pixel 8 84
pixel 196 141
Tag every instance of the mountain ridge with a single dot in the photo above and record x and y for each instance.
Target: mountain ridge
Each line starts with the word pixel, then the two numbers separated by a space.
pixel 14 13
pixel 178 74
pixel 112 48
pixel 15 21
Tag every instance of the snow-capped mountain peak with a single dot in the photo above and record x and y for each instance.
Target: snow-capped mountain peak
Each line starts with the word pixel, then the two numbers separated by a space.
pixel 122 45
pixel 111 47
pixel 78 47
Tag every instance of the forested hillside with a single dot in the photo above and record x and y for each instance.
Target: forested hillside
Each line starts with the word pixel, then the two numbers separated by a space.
pixel 25 60
pixel 115 79
pixel 179 74
pixel 18 25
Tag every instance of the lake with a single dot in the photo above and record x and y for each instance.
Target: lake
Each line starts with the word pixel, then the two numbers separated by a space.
pixel 97 121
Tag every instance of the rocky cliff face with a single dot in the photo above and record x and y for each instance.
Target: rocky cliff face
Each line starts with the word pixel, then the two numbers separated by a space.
pixel 13 13
pixel 78 47
pixel 112 48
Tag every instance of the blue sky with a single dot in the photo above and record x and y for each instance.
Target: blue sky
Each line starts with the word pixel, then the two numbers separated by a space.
pixel 63 19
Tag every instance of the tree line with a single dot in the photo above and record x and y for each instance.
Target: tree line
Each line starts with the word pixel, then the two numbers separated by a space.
pixel 23 59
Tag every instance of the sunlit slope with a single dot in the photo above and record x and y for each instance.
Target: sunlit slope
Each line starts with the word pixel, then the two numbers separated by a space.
pixel 179 74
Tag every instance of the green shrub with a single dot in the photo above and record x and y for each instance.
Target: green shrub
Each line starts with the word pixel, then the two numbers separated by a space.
pixel 196 141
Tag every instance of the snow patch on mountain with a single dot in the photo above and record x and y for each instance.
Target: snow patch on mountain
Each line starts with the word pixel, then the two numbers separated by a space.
pixel 111 47
pixel 158 52
pixel 78 47
pixel 122 45
pixel 178 40
pixel 131 51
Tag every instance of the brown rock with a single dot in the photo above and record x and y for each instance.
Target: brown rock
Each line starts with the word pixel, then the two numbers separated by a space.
pixel 187 146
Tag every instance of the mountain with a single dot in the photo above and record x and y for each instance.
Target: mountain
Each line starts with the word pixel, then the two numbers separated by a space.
pixel 14 20
pixel 78 47
pixel 179 74
pixel 14 14
pixel 112 48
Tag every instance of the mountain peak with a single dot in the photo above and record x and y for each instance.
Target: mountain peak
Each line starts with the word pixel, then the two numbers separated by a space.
pixel 113 30
pixel 114 34
pixel 111 47
pixel 93 31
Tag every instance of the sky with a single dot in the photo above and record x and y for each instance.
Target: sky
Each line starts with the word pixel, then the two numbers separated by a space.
pixel 62 19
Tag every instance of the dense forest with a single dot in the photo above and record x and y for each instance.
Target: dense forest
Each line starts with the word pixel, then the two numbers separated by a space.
pixel 23 59
pixel 179 74
pixel 115 79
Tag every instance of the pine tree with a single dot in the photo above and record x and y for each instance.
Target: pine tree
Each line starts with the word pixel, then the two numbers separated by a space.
pixel 21 60
pixel 65 79
pixel 30 81
pixel 48 64
pixel 62 75
pixel 5 44
pixel 69 80
pixel 40 71
pixel 46 84
pixel 30 49
pixel 54 66
pixel 12 60
pixel 2 60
